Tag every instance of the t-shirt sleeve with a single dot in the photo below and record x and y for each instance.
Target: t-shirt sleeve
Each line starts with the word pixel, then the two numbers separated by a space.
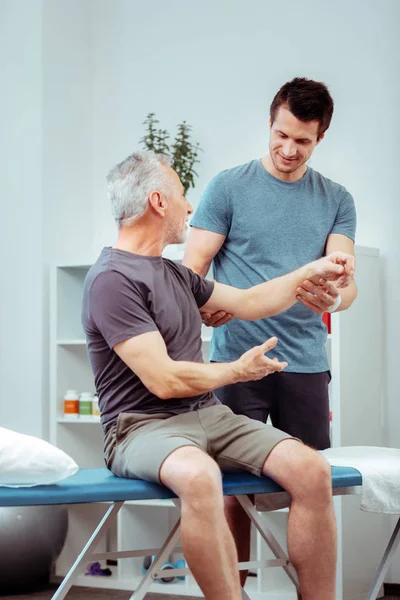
pixel 118 309
pixel 213 212
pixel 201 288
pixel 346 218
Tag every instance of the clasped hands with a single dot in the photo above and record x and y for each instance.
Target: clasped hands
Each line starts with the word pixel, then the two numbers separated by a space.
pixel 318 293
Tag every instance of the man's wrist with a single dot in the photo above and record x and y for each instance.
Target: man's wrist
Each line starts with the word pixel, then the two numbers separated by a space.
pixel 237 371
pixel 335 305
pixel 308 271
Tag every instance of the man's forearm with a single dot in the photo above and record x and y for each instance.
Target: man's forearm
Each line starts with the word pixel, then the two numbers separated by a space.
pixel 274 296
pixel 185 379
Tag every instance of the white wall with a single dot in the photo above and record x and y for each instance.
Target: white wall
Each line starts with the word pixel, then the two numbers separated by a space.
pixel 218 65
pixel 45 153
pixel 80 77
pixel 21 247
pixel 67 129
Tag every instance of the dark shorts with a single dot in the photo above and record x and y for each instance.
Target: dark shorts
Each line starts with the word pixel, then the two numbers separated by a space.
pixel 297 403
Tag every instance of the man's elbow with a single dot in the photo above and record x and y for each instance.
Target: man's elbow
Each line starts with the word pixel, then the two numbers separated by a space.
pixel 163 393
pixel 163 388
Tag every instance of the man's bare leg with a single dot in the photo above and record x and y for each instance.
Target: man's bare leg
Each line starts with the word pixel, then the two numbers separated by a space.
pixel 240 526
pixel 312 544
pixel 207 542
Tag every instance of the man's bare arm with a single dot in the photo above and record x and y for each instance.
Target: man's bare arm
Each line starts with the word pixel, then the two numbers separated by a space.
pixel 201 247
pixel 319 295
pixel 337 242
pixel 279 294
pixel 146 355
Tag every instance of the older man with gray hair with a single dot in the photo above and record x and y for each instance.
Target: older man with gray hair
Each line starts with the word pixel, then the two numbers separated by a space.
pixel 161 419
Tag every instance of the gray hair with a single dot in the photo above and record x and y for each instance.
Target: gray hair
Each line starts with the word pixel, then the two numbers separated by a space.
pixel 131 182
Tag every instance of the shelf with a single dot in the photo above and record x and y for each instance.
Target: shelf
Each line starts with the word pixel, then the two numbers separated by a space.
pixel 159 502
pixel 79 420
pixel 113 582
pixel 182 587
pixel 155 503
pixel 76 342
pixel 187 587
pixel 83 265
pixel 82 342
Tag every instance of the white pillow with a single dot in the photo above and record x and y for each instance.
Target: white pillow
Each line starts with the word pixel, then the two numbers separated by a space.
pixel 26 461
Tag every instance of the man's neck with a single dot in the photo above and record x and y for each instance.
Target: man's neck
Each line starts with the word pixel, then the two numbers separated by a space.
pixel 138 241
pixel 269 166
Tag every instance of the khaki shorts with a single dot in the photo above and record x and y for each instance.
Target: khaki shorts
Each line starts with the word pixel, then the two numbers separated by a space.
pixel 137 445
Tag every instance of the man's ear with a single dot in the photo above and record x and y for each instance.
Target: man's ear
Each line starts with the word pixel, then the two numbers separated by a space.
pixel 321 137
pixel 157 202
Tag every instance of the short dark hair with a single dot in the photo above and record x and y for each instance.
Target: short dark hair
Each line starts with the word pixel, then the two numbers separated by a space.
pixel 307 100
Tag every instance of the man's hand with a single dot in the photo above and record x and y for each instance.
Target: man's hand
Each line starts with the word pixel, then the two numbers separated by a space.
pixel 216 319
pixel 317 294
pixel 254 365
pixel 337 266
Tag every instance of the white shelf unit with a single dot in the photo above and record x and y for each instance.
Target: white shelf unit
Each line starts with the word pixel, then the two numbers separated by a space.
pixel 354 349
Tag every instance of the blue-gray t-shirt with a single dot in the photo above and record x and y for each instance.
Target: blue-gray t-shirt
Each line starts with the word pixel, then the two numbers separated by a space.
pixel 272 227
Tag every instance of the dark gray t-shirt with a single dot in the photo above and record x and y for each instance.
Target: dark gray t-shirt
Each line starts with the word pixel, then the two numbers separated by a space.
pixel 126 295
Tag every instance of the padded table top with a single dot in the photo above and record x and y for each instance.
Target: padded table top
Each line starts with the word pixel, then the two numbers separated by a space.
pixel 99 485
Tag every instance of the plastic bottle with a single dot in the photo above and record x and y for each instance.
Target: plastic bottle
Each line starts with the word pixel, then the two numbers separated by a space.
pixel 95 406
pixel 85 405
pixel 71 404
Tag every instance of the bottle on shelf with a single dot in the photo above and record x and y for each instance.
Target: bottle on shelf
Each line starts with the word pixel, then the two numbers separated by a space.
pixel 95 406
pixel 71 404
pixel 85 405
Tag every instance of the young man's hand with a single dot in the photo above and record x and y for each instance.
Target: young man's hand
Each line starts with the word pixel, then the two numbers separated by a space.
pixel 217 319
pixel 337 266
pixel 317 294
pixel 254 365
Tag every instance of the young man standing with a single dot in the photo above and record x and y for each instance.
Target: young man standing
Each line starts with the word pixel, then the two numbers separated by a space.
pixel 258 221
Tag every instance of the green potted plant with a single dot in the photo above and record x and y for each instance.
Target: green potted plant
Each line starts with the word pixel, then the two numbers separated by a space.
pixel 183 150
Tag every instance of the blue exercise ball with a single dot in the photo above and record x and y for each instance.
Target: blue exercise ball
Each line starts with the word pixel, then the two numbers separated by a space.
pixel 31 539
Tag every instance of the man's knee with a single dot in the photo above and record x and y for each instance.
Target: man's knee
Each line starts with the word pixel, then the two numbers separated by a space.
pixel 194 476
pixel 301 471
pixel 203 489
pixel 314 482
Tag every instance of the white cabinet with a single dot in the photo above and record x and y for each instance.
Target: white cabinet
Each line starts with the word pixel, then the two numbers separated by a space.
pixel 359 418
pixel 355 353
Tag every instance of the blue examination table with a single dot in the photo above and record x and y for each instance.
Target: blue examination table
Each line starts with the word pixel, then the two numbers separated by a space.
pixel 100 485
